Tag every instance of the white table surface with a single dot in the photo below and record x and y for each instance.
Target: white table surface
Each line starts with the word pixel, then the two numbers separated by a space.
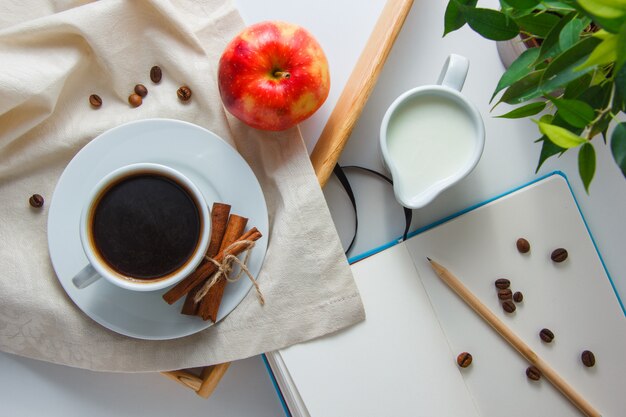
pixel 29 387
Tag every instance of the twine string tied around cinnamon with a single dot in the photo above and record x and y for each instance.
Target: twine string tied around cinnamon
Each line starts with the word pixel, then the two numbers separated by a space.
pixel 225 267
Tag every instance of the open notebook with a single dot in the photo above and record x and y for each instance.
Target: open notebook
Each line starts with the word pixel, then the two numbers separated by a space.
pixel 402 360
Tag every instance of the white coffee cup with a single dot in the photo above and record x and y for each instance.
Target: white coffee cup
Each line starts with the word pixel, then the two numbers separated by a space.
pixel 432 136
pixel 101 262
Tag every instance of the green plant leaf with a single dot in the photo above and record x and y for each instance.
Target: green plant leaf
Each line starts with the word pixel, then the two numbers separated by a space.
pixel 539 24
pixel 547 118
pixel 577 87
pixel 618 146
pixel 559 121
pixel 548 149
pixel 597 96
pixel 561 136
pixel 621 48
pixel 598 78
pixel 515 12
pixel 619 100
pixel 453 18
pixel 550 45
pixel 525 111
pixel 571 33
pixel 518 69
pixel 522 4
pixel 610 25
pixel 563 69
pixel 586 164
pixel 602 34
pixel 575 112
pixel 609 9
pixel 556 5
pixel 601 126
pixel 604 53
pixel 490 23
pixel 523 90
pixel 567 60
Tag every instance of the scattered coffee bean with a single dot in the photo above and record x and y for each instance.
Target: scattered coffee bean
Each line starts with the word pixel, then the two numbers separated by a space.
pixel 588 358
pixel 559 255
pixel 184 93
pixel 523 246
pixel 508 306
pixel 546 335
pixel 36 201
pixel 141 90
pixel 502 283
pixel 505 294
pixel 464 359
pixel 95 101
pixel 135 100
pixel 518 297
pixel 156 74
pixel 532 372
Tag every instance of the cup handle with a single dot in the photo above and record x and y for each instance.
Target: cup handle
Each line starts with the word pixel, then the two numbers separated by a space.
pixel 454 72
pixel 87 276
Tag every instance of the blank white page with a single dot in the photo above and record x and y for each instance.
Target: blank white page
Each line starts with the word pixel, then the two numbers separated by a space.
pixel 395 363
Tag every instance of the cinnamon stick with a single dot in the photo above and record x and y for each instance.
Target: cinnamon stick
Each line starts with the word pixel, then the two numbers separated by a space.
pixel 219 220
pixel 207 269
pixel 209 305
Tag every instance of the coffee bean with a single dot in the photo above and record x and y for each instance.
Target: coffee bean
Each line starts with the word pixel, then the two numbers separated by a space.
pixel 155 74
pixel 141 90
pixel 546 335
pixel 135 100
pixel 464 359
pixel 532 372
pixel 518 297
pixel 588 358
pixel 508 306
pixel 523 246
pixel 502 283
pixel 505 294
pixel 184 93
pixel 36 201
pixel 95 101
pixel 559 255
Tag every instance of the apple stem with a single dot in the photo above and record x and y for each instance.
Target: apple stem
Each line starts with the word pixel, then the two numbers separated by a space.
pixel 281 74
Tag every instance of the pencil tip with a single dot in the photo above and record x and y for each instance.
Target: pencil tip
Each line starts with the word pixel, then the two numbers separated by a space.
pixel 429 260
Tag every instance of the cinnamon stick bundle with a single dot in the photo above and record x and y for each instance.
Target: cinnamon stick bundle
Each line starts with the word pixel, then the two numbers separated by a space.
pixel 211 302
pixel 219 221
pixel 207 269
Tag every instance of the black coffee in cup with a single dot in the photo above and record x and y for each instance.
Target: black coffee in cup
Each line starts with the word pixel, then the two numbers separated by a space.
pixel 145 226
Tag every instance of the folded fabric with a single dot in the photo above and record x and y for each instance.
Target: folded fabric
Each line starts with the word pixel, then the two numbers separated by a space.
pixel 53 58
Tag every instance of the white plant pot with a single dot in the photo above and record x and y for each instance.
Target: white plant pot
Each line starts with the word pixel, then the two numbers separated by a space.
pixel 510 50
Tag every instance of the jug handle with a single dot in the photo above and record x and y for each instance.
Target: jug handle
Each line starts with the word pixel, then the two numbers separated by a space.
pixel 454 72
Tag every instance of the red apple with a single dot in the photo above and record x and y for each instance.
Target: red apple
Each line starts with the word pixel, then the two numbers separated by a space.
pixel 273 75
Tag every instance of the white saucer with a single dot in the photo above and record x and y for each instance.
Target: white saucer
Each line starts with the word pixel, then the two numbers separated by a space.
pixel 212 164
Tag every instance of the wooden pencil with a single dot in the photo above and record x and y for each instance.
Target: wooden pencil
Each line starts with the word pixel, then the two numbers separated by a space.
pixel 498 325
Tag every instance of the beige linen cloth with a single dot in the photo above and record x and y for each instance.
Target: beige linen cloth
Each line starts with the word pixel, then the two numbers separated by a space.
pixel 53 55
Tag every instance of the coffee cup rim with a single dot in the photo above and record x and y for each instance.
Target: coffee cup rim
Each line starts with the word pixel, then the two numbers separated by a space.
pixel 127 282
